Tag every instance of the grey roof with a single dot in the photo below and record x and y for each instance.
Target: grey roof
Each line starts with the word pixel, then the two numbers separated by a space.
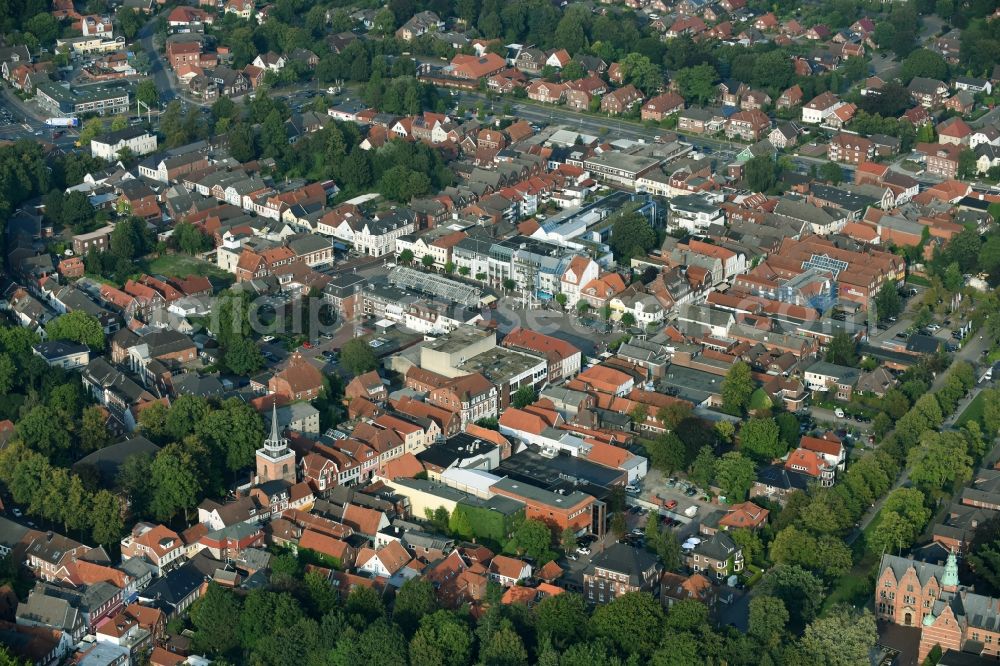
pixel 624 559
pixel 11 533
pixel 720 546
pixel 56 349
pixel 539 495
pixel 899 566
pixel 191 383
pixel 112 138
pixel 108 460
pixel 49 611
pixel 841 373
pixel 777 476
pixel 798 209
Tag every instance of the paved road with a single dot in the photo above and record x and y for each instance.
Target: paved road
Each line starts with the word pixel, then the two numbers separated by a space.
pixel 164 81
pixel 721 148
pixel 970 353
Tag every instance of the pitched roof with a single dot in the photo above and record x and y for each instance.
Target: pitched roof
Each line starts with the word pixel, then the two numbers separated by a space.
pixel 508 567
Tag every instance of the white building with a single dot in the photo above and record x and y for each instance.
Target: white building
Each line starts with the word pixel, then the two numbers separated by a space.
pixel 580 272
pixel 136 139
pixel 694 212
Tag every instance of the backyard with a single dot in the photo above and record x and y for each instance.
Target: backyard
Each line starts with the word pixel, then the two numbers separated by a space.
pixel 182 265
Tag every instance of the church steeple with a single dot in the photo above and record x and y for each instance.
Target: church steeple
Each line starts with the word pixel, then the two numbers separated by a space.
pixel 275 445
pixel 275 460
pixel 949 580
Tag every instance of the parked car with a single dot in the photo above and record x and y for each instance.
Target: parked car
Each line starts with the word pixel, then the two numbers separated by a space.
pixel 691 492
pixel 632 488
pixel 672 504
pixel 583 550
pixel 839 413
pixel 267 338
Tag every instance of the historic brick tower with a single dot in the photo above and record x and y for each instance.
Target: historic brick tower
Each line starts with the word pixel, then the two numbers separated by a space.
pixel 275 461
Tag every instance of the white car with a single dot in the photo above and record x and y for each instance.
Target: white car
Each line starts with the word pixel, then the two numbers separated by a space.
pixel 632 488
pixel 839 413
pixel 694 541
pixel 583 550
pixel 267 338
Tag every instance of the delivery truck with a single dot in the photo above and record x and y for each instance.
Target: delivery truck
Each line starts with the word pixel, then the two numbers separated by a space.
pixel 63 122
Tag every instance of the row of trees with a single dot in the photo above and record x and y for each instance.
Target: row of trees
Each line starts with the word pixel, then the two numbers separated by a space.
pixel 300 619
pixel 57 495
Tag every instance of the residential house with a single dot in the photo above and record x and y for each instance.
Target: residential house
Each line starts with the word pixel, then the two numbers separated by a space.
pixel 618 570
pixel 620 100
pixel 659 107
pixel 717 557
pixel 850 149
pixel 748 125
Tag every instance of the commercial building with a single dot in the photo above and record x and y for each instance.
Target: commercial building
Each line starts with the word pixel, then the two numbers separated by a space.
pixel 103 100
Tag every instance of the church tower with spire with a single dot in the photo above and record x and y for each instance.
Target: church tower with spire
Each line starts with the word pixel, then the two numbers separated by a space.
pixel 275 461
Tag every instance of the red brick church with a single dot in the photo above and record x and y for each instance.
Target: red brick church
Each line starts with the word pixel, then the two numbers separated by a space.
pixel 929 596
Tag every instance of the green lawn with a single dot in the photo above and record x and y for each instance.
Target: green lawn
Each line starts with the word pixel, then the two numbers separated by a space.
pixel 854 587
pixel 182 265
pixel 918 280
pixel 974 412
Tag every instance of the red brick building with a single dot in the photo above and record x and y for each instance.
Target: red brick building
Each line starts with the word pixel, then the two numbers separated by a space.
pixel 300 380
pixel 929 596
pixel 850 149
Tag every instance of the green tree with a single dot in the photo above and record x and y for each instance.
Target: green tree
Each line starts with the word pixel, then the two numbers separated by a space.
pixel 788 429
pixel 441 640
pixel 632 622
pixel 523 397
pixel 831 172
pixel 750 543
pixel 90 130
pixel 532 538
pixel 800 591
pixel 926 63
pixel 415 599
pixel 773 70
pixel 842 350
pixel 563 618
pixel 768 619
pixel 504 648
pixel 892 533
pixel 735 475
pixel 147 93
pixel 177 483
pixel 77 326
pixel 128 21
pixel 697 84
pixel 106 516
pixel 702 470
pixel 842 636
pixel 94 433
pixel 243 357
pixel 215 617
pixel 640 72
pixel 664 543
pixel 667 453
pixel 940 461
pixel 631 236
pixel 737 387
pixel 233 433
pixel 760 173
pixel 358 357
pixel 760 438
pixel 44 431
pixel 184 415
